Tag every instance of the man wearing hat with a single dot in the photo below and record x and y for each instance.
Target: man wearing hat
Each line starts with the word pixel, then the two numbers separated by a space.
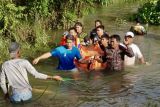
pixel 128 40
pixel 66 55
pixel 15 72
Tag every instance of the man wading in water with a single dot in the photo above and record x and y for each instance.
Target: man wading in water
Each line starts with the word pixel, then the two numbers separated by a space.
pixel 115 54
pixel 66 55
pixel 15 71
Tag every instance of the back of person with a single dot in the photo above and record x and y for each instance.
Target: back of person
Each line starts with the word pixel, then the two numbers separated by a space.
pixel 16 73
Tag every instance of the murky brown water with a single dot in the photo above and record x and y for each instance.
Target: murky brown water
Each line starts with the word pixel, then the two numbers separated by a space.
pixel 138 86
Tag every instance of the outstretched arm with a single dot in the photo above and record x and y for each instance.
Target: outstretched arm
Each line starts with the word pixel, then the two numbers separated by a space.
pixel 39 75
pixel 44 56
pixel 56 77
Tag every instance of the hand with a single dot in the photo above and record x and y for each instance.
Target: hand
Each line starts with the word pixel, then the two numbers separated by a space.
pixel 126 42
pixel 58 78
pixel 90 60
pixel 97 57
pixel 35 61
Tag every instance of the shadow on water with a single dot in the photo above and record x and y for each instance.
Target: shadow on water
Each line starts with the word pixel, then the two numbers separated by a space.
pixel 137 86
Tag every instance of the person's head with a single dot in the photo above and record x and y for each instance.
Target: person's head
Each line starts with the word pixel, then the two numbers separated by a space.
pixel 129 37
pixel 87 40
pixel 105 40
pixel 100 30
pixel 98 23
pixel 138 21
pixel 79 27
pixel 115 41
pixel 69 41
pixel 14 50
pixel 72 31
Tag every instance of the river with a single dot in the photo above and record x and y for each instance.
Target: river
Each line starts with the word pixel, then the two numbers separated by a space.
pixel 137 86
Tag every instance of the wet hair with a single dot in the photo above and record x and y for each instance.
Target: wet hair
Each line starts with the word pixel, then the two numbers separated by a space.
pixel 100 26
pixel 70 37
pixel 117 37
pixel 86 39
pixel 98 21
pixel 72 28
pixel 78 24
pixel 106 36
pixel 14 47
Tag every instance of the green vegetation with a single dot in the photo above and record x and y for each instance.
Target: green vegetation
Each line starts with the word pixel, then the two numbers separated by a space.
pixel 27 21
pixel 150 12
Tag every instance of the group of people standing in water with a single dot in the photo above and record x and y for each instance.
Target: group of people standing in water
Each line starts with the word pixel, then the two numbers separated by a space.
pixel 77 47
pixel 77 52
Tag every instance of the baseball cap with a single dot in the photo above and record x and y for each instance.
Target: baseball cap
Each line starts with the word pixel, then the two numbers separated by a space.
pixel 129 34
pixel 13 47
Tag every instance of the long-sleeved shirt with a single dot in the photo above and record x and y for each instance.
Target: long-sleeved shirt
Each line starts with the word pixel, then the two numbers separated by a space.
pixel 115 58
pixel 16 73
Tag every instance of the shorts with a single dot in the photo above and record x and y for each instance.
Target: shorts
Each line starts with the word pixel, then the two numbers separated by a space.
pixel 21 96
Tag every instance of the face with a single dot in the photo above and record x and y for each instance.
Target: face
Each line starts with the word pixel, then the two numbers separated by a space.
pixel 79 29
pixel 129 39
pixel 100 31
pixel 114 43
pixel 69 45
pixel 73 33
pixel 97 24
pixel 104 41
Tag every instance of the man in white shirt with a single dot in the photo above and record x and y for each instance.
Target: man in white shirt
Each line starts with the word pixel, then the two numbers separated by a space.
pixel 15 72
pixel 128 40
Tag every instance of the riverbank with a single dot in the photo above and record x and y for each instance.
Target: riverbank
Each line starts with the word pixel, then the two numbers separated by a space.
pixel 33 36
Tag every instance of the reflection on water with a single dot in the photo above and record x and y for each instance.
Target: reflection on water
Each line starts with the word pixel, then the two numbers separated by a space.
pixel 137 86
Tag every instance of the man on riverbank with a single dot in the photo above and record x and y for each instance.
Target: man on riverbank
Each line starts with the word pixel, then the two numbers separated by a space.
pixel 15 72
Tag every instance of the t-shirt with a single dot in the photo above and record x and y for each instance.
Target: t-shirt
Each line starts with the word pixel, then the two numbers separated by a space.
pixel 82 36
pixel 66 57
pixel 137 53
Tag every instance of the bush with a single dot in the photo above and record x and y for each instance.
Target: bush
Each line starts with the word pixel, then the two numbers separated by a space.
pixel 150 12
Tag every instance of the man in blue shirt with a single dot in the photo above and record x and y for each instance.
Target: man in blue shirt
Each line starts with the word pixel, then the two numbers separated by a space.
pixel 66 55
